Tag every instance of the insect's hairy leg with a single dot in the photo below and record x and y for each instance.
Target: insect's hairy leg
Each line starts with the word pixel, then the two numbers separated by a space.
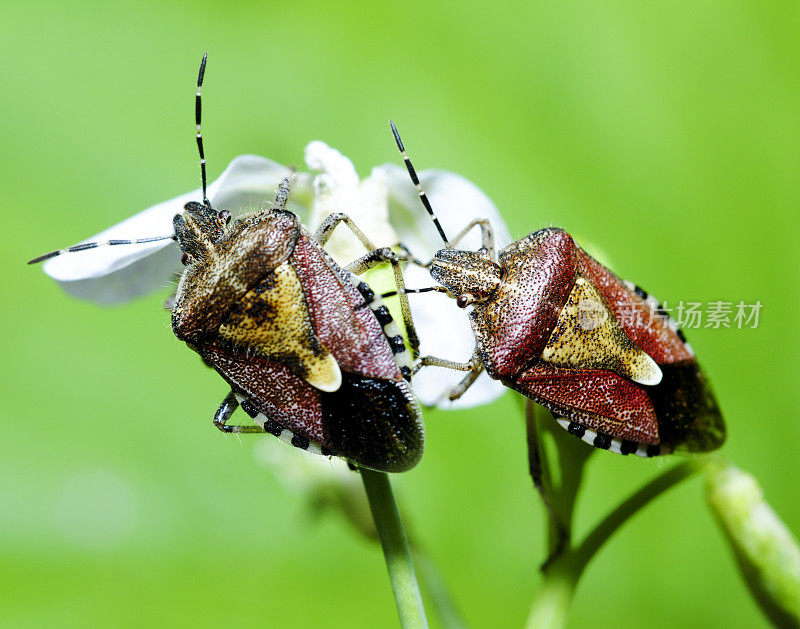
pixel 382 256
pixel 487 235
pixel 461 388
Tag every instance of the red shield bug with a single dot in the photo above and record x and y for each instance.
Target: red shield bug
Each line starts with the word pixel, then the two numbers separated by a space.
pixel 599 352
pixel 308 349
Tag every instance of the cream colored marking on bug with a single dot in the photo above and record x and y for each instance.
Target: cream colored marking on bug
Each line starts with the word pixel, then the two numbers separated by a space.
pixel 274 321
pixel 587 336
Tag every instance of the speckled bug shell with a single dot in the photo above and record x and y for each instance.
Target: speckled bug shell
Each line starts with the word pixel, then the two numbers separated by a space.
pixel 520 332
pixel 267 308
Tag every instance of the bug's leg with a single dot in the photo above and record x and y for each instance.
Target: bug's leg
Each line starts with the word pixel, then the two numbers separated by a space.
pixel 332 221
pixel 473 364
pixel 539 471
pixel 224 412
pixel 411 257
pixel 382 256
pixel 461 388
pixel 487 235
pixel 374 258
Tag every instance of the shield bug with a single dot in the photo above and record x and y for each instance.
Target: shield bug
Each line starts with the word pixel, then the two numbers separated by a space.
pixel 597 351
pixel 310 352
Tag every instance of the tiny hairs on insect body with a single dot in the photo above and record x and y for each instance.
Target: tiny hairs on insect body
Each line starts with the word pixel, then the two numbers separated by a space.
pixel 310 352
pixel 556 325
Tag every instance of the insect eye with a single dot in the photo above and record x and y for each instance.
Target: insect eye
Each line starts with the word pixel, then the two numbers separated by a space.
pixel 225 216
pixel 186 259
pixel 462 301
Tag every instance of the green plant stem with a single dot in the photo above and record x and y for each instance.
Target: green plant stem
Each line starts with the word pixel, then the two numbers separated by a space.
pixel 551 604
pixel 395 549
pixel 609 525
pixel 557 473
pixel 550 607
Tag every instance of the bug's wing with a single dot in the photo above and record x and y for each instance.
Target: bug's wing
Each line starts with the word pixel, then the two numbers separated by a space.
pixel 372 422
pixel 373 418
pixel 688 415
pixel 689 418
pixel 351 333
pixel 601 400
pixel 116 274
pixel 271 387
pixel 680 413
pixel 637 315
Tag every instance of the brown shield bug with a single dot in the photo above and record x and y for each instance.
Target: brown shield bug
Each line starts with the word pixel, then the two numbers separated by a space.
pixel 598 352
pixel 310 352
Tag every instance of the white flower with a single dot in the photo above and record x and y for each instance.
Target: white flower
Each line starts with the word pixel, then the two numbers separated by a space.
pixel 110 275
pixel 388 210
pixel 385 206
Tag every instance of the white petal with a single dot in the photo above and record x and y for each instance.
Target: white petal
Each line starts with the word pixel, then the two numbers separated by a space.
pixel 119 273
pixel 337 189
pixel 336 185
pixel 372 213
pixel 443 328
pixel 250 181
pixel 455 200
pixel 338 175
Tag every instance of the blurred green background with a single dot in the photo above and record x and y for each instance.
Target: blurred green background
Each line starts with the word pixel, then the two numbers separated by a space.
pixel 668 134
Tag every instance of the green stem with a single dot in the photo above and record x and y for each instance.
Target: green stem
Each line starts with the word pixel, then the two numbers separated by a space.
pixel 395 549
pixel 557 473
pixel 551 605
pixel 609 525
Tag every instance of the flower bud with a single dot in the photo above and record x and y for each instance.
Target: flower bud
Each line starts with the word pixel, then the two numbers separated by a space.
pixel 766 551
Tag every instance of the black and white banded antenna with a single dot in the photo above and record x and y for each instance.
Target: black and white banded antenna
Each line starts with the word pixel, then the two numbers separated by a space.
pixel 413 174
pixel 414 291
pixel 100 243
pixel 407 291
pixel 139 241
pixel 198 111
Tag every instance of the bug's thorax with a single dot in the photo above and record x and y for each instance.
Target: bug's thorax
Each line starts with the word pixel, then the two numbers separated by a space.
pixel 224 264
pixel 470 275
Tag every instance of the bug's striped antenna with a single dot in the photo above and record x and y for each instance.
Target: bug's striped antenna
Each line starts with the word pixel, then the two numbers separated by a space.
pixel 100 243
pixel 198 110
pixel 411 291
pixel 407 291
pixel 140 241
pixel 413 174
